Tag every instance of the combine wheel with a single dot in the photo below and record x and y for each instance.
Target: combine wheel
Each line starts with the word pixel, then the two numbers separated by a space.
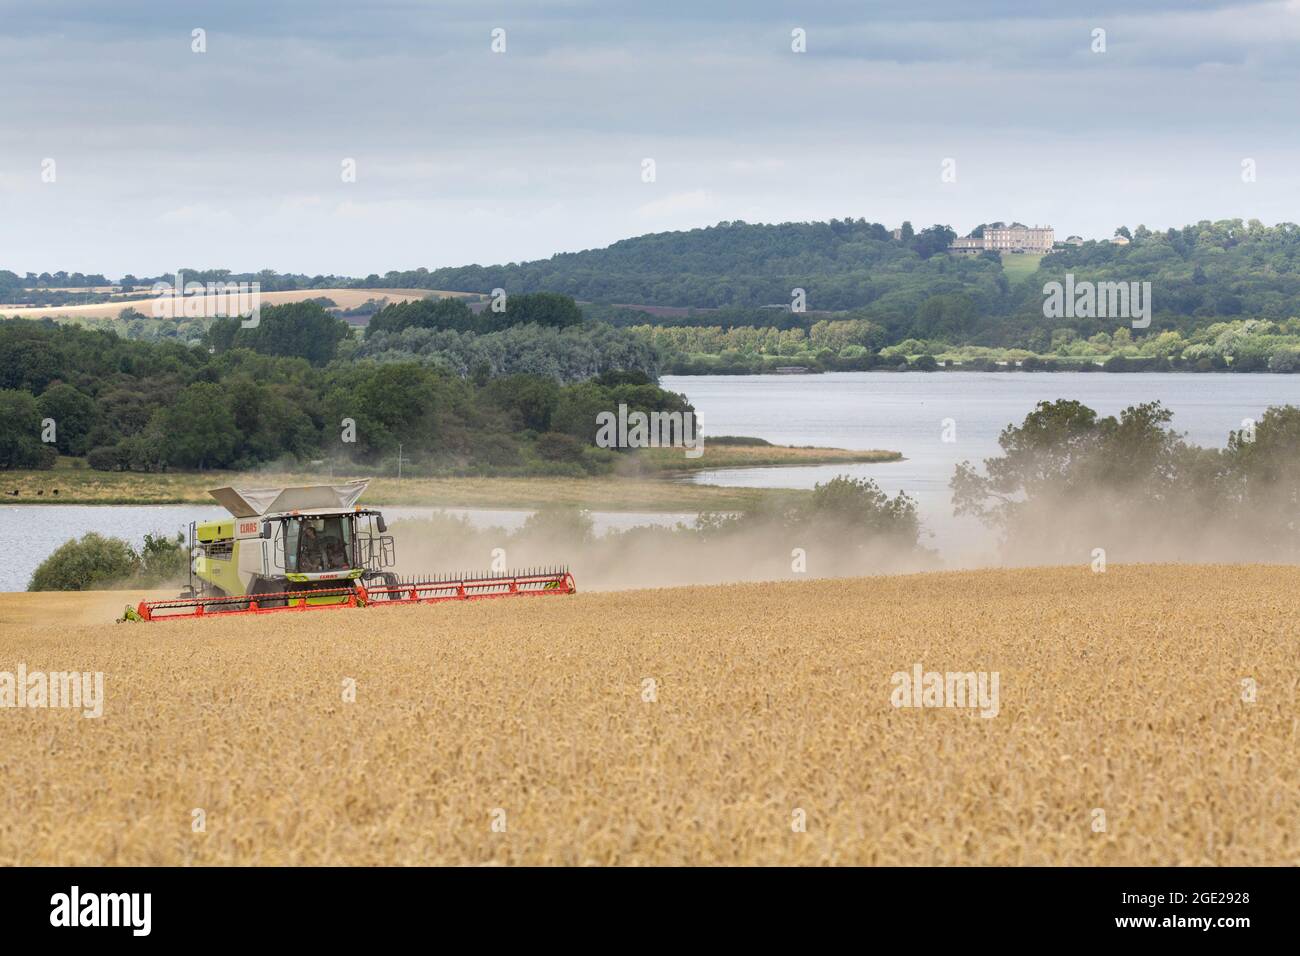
pixel 216 592
pixel 381 579
pixel 263 586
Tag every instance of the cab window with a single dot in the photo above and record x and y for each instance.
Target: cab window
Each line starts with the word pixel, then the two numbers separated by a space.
pixel 322 544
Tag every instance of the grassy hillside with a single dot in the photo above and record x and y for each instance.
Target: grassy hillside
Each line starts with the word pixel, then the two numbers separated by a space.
pixel 1021 266
pixel 841 264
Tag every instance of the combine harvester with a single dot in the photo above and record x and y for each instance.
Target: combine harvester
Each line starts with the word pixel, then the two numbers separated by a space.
pixel 314 548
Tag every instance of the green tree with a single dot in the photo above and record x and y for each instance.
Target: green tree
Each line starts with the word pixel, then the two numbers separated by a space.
pixel 74 415
pixel 198 429
pixel 92 562
pixel 20 433
pixel 387 404
pixel 431 313
pixel 945 317
pixel 531 400
pixel 548 309
pixel 296 329
pixel 162 559
pixel 1069 481
pixel 1039 456
pixel 1262 471
pixel 857 509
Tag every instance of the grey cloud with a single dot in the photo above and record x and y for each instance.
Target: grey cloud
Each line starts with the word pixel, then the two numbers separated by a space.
pixel 233 156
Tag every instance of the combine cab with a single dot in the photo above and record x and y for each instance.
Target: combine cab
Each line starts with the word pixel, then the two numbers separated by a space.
pixel 314 547
pixel 290 541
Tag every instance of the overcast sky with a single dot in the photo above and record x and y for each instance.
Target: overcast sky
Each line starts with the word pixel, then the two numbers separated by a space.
pixel 233 158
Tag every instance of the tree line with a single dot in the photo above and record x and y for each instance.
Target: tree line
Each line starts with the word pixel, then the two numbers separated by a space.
pixel 1201 273
pixel 742 274
pixel 151 406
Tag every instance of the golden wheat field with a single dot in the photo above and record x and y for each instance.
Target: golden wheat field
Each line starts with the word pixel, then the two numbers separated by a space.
pixel 525 732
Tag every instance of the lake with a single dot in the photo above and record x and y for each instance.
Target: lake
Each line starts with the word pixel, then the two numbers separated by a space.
pixel 901 411
pixel 905 412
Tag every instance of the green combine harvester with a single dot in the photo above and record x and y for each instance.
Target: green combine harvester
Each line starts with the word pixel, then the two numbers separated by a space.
pixel 313 546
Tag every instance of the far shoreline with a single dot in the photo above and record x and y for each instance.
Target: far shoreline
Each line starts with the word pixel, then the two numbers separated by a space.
pixel 648 483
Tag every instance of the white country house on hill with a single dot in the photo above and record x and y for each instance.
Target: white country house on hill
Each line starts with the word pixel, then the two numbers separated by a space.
pixel 1014 238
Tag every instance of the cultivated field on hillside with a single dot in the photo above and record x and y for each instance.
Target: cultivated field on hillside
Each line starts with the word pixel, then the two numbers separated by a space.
pixel 343 298
pixel 1146 715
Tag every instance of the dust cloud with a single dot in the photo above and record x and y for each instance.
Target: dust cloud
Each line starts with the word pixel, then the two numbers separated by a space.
pixel 646 557
pixel 1088 529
